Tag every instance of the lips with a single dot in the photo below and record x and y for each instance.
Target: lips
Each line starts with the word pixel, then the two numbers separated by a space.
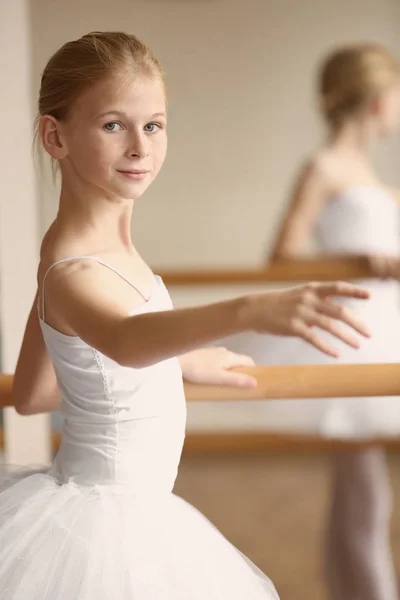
pixel 134 173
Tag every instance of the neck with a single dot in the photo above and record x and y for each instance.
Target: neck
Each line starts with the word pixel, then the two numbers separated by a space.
pixel 102 224
pixel 352 136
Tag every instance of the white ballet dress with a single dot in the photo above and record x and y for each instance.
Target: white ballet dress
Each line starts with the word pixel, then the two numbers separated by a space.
pixel 362 220
pixel 103 523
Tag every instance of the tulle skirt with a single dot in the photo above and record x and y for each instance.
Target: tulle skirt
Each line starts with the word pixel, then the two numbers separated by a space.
pixel 72 542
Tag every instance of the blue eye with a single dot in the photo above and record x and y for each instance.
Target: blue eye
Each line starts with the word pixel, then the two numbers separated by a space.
pixel 113 126
pixel 151 127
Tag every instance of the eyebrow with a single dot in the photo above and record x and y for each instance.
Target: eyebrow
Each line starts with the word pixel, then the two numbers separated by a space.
pixel 122 114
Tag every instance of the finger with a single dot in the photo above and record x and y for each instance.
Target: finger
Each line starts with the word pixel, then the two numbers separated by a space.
pixel 341 288
pixel 240 360
pixel 241 380
pixel 344 314
pixel 332 327
pixel 308 335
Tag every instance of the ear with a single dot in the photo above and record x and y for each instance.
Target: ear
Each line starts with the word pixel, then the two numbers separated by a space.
pixel 51 137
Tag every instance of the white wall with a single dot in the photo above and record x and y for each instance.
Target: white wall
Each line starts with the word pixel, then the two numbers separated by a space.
pixel 242 109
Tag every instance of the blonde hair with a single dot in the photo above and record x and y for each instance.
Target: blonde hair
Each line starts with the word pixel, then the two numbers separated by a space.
pixel 353 76
pixel 93 58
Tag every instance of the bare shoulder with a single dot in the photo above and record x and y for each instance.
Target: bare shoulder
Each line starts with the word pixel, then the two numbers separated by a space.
pixel 82 294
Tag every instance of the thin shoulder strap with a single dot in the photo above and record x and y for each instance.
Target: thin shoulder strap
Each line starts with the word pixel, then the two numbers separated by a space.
pixel 101 262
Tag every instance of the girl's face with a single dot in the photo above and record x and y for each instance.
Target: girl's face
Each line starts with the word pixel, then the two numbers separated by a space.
pixel 115 138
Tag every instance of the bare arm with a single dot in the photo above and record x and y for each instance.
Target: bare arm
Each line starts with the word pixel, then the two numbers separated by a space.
pixel 307 200
pixel 86 298
pixel 94 311
pixel 35 381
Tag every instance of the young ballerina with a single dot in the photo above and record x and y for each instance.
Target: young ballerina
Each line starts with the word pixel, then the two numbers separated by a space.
pixel 101 340
pixel 340 197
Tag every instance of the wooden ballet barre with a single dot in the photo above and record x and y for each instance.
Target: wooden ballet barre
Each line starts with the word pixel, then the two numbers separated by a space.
pixel 279 271
pixel 288 382
pixel 307 381
pixel 321 381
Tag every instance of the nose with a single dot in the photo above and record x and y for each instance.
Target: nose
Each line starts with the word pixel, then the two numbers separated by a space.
pixel 139 146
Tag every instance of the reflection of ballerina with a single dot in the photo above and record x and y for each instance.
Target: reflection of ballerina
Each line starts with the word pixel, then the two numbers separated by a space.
pixel 103 523
pixel 340 197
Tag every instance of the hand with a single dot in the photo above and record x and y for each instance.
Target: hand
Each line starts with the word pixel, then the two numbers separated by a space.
pixel 211 366
pixel 385 267
pixel 294 312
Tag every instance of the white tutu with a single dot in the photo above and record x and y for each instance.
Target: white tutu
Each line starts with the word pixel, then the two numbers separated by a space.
pixel 71 542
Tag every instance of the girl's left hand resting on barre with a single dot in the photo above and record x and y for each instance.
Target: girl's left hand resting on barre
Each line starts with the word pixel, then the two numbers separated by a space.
pixel 211 366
